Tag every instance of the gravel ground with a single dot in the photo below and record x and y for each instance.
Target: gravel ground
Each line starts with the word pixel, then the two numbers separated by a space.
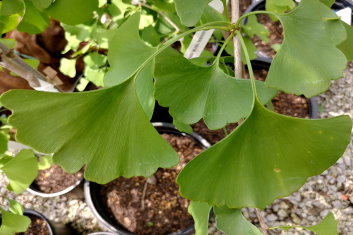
pixel 330 191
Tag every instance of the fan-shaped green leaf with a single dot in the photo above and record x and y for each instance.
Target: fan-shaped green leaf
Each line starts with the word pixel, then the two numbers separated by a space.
pixel 33 21
pixel 42 4
pixel 200 211
pixel 190 11
pixel 347 46
pixel 144 89
pixel 253 27
pixel 21 170
pixel 328 226
pixel 15 207
pixel 13 223
pixel 232 222
pixel 308 68
pixel 192 92
pixel 3 142
pixel 279 6
pixel 10 7
pixel 328 3
pixel 105 129
pixel 268 156
pixel 127 52
pixel 72 12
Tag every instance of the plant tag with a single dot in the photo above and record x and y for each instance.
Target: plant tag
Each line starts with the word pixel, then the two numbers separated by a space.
pixel 346 15
pixel 201 38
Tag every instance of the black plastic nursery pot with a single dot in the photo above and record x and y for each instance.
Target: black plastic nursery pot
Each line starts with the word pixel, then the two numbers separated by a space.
pixel 259 5
pixel 92 191
pixel 32 213
pixel 102 233
pixel 265 63
pixel 33 188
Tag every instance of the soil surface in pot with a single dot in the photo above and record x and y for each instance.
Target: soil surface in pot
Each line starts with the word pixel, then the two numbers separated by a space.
pixel 275 37
pixel 287 104
pixel 55 179
pixel 153 205
pixel 38 226
pixel 275 29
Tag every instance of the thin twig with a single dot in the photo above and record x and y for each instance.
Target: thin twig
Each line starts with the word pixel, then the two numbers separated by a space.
pixel 235 14
pixel 144 195
pixel 261 219
pixel 12 62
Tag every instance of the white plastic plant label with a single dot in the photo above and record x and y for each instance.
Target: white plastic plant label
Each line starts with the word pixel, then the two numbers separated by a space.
pixel 201 38
pixel 346 15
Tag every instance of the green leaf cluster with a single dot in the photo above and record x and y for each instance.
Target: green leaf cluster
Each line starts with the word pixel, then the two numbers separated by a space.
pixel 266 157
pixel 13 221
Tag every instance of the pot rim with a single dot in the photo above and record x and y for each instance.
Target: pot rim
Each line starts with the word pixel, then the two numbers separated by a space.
pixel 40 215
pixel 161 127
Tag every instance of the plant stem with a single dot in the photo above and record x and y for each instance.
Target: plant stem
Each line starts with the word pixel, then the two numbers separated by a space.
pixel 248 62
pixel 213 25
pixel 225 131
pixel 12 62
pixel 237 55
pixel 261 219
pixel 223 47
pixel 237 24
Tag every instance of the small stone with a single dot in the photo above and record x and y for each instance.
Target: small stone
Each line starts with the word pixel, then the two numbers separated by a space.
pixel 282 213
pixel 341 179
pixel 271 217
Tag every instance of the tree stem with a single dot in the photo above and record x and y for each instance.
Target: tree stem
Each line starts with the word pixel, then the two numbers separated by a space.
pixel 261 219
pixel 9 60
pixel 235 14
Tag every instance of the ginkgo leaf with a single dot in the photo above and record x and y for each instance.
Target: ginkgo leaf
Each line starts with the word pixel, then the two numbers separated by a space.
pixel 200 212
pixel 42 4
pixel 127 52
pixel 307 67
pixel 106 130
pixel 190 11
pixel 328 3
pixel 3 142
pixel 192 92
pixel 277 6
pixel 9 7
pixel 21 170
pixel 144 89
pixel 13 223
pixel 268 156
pixel 15 207
pixel 33 20
pixel 347 46
pixel 72 12
pixel 232 222
pixel 253 27
pixel 328 226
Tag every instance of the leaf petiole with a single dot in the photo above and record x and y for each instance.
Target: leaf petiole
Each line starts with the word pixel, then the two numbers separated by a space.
pixel 212 25
pixel 237 24
pixel 223 47
pixel 248 62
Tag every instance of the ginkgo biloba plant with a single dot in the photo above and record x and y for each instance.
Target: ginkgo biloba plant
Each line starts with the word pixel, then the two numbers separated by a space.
pixel 268 156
